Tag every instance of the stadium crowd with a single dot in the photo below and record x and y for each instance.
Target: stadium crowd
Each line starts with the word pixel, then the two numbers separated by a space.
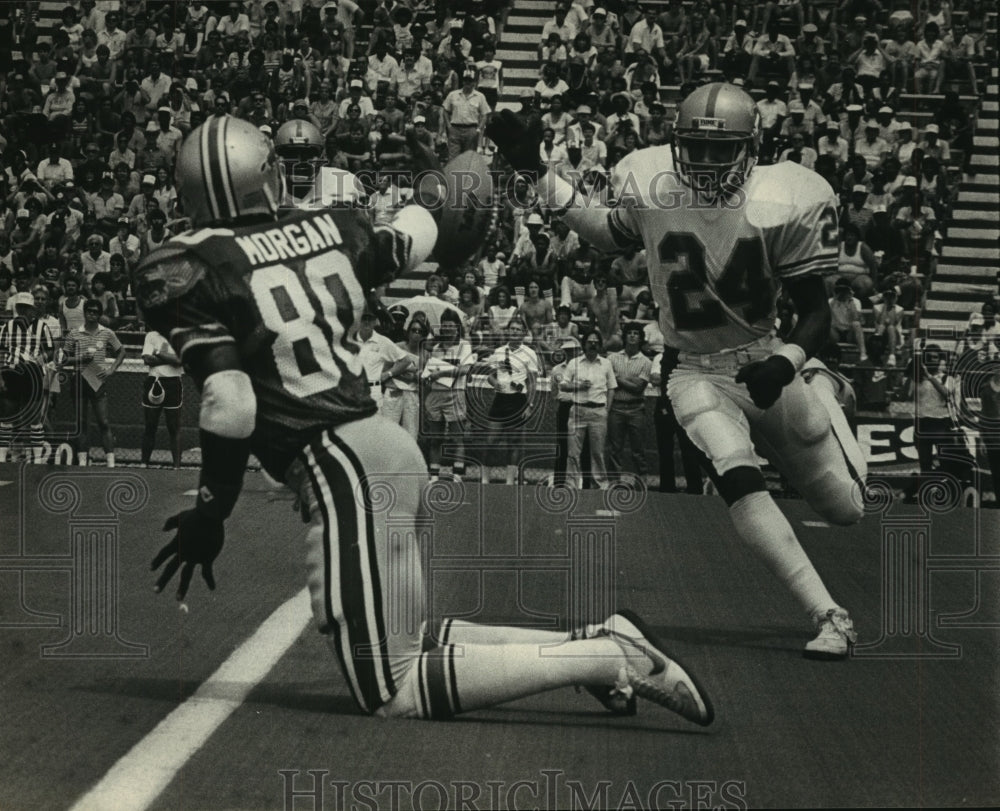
pixel 93 116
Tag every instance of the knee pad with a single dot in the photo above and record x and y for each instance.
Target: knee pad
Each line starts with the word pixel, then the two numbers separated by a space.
pixel 739 482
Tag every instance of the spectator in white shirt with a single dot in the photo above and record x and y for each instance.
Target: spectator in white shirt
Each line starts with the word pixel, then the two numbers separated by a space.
pixel 55 169
pixel 590 379
pixel 646 36
pixel 514 368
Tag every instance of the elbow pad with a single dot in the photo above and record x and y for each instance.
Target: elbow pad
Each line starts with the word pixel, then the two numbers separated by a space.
pixel 228 405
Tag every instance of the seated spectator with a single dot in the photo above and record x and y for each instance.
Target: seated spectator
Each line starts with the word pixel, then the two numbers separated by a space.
pixel 903 151
pixel 492 268
pixel 799 152
pixel 126 244
pixel 737 53
pixel 501 311
pixel 845 317
pixel 833 145
pixel 55 169
pixel 918 224
pixel 856 262
pixel 889 324
pixel 858 212
pixel 934 147
pixel 928 75
pixel 869 61
pixel 773 54
pixel 107 204
pixel 872 147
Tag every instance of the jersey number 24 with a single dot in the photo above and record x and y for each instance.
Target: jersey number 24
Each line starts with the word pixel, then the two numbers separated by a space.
pixel 743 286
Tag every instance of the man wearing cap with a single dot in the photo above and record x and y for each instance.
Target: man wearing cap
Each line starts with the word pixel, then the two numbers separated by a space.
pixel 857 212
pixel 933 146
pixel 845 317
pixel 869 61
pixel 26 345
pixel 355 96
pixel 905 144
pixel 59 102
pixel 466 110
pixel 809 45
pixel 151 157
pixel 55 169
pixel 627 416
pixel 379 356
pixel 106 203
pixel 888 125
pixel 872 147
pixel 137 205
pixel 454 48
pixel 602 35
pixel 737 53
pixel 125 243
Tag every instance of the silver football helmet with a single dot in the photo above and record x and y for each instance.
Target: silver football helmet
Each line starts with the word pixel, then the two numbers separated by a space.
pixel 227 170
pixel 301 147
pixel 716 138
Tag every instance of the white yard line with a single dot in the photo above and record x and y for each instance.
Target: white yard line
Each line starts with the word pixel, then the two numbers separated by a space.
pixel 136 780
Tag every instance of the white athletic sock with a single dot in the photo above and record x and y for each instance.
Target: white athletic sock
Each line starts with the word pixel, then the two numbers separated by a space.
pixel 765 529
pixel 456 678
pixel 454 631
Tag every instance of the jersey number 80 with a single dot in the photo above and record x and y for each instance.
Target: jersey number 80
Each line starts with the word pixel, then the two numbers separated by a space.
pixel 306 312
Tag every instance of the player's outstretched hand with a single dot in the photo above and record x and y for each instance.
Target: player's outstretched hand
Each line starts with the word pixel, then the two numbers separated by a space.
pixel 198 541
pixel 516 142
pixel 766 378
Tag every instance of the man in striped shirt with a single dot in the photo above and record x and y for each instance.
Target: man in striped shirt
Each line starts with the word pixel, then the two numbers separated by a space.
pixel 25 346
pixel 88 348
pixel 627 417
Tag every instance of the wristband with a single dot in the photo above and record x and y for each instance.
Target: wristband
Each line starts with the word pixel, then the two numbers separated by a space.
pixel 794 354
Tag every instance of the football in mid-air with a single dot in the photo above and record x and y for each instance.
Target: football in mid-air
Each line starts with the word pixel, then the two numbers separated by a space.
pixel 467 211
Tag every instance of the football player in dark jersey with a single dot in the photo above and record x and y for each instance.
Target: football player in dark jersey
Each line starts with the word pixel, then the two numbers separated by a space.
pixel 262 312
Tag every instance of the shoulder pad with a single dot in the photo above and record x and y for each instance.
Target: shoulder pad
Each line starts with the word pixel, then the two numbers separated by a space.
pixel 166 274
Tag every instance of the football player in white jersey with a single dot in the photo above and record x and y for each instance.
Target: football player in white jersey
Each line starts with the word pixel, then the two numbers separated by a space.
pixel 309 182
pixel 722 238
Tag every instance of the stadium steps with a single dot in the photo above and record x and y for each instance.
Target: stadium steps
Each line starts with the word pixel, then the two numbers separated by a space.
pixel 967 270
pixel 518 49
